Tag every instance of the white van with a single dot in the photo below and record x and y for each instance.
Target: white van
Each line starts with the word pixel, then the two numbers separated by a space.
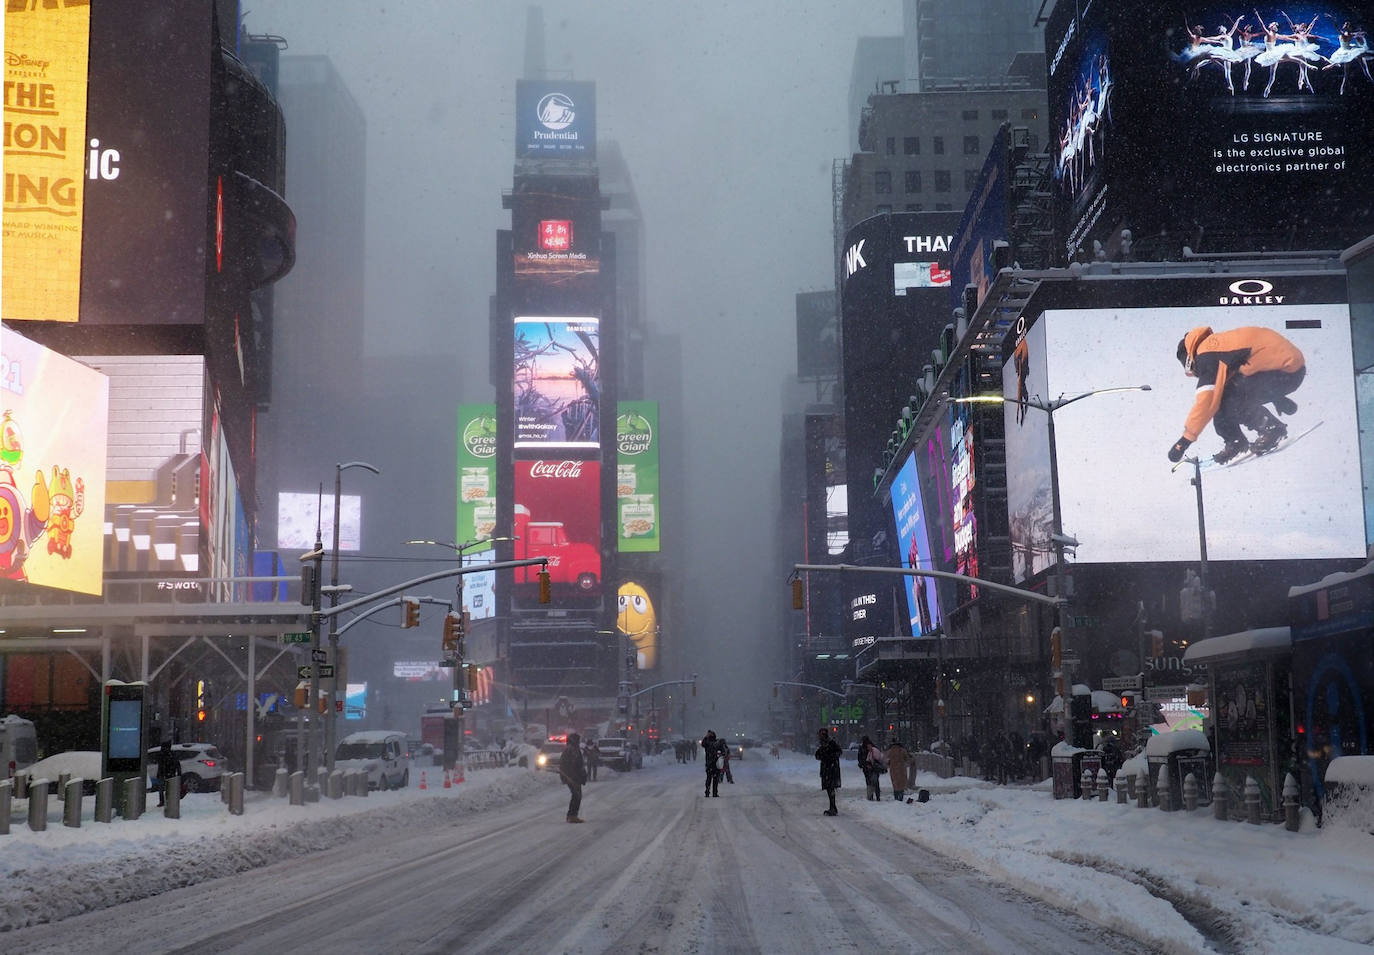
pixel 18 745
pixel 382 753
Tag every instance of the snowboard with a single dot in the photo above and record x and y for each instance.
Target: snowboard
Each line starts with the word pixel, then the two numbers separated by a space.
pixel 1247 456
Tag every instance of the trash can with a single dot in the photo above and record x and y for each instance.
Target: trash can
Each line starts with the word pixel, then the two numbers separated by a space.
pixel 1066 769
pixel 1180 763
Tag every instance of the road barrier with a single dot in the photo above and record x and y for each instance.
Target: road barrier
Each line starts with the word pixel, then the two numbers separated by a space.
pixel 72 794
pixel 38 804
pixel 235 793
pixel 104 800
pixel 135 797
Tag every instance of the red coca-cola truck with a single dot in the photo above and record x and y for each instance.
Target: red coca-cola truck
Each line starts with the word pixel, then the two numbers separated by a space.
pixel 571 562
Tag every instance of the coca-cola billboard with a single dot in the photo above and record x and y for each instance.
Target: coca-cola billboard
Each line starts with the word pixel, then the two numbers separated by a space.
pixel 558 516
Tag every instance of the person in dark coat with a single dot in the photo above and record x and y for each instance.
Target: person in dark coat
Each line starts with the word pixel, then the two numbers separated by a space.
pixel 710 751
pixel 724 750
pixel 168 768
pixel 573 771
pixel 593 757
pixel 828 752
pixel 869 763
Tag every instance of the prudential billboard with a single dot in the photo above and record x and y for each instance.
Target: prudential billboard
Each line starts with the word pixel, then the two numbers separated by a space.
pixel 555 119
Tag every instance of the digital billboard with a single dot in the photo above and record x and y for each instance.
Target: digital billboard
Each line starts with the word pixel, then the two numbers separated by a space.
pixel 637 619
pixel 556 243
pixel 476 472
pixel 555 119
pixel 1219 127
pixel 53 434
pixel 558 516
pixel 1029 505
pixel 479 589
pixel 963 482
pixel 1293 492
pixel 984 224
pixel 913 544
pixel 637 493
pixel 818 335
pixel 107 159
pixel 299 513
pixel 557 383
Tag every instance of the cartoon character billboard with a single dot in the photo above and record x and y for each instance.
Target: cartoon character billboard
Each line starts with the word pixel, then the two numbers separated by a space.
pixel 53 435
pixel 637 620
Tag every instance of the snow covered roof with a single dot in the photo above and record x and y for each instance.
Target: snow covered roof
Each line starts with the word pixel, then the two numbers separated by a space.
pixel 1351 769
pixel 1330 579
pixel 1270 639
pixel 371 736
pixel 1162 744
pixel 13 720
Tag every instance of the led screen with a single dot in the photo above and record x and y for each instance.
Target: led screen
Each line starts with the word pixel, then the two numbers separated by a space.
pixel 52 467
pixel 355 701
pixel 1120 496
pixel 557 383
pixel 963 481
pixel 1029 509
pixel 476 471
pixel 126 729
pixel 913 543
pixel 637 619
pixel 558 516
pixel 637 500
pixel 300 513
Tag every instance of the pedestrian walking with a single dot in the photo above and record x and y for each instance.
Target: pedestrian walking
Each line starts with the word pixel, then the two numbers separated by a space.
pixel 715 762
pixel 573 770
pixel 828 752
pixel 593 756
pixel 900 769
pixel 725 751
pixel 871 764
pixel 168 769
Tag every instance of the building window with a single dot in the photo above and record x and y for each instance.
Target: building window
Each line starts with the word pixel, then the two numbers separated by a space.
pixel 913 180
pixel 999 114
pixel 970 114
pixel 971 146
pixel 942 180
pixel 911 145
pixel 937 145
pixel 892 145
pixel 970 180
pixel 882 182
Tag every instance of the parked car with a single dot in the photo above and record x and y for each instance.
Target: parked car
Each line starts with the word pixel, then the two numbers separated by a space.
pixel 79 763
pixel 421 753
pixel 852 751
pixel 548 756
pixel 522 754
pixel 202 766
pixel 381 753
pixel 614 752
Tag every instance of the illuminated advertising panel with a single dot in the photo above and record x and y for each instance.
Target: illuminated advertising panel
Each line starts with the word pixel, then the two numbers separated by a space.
pixel 556 239
pixel 558 516
pixel 52 467
pixel 299 513
pixel 637 619
pixel 479 589
pixel 557 383
pixel 913 543
pixel 555 119
pixel 45 151
pixel 476 472
pixel 1270 376
pixel 1029 503
pixel 962 483
pixel 1211 125
pixel 636 487
pixel 983 225
pixel 355 701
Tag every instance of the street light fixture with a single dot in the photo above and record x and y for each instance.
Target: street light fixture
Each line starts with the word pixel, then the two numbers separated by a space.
pixel 331 726
pixel 1057 536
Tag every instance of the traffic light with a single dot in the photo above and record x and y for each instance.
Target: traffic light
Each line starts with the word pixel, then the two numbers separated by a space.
pixel 309 578
pixel 455 627
pixel 545 588
pixel 798 600
pixel 1056 648
pixel 202 701
pixel 410 612
pixel 472 674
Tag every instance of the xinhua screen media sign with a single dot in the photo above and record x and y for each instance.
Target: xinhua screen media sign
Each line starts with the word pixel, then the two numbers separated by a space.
pixel 555 120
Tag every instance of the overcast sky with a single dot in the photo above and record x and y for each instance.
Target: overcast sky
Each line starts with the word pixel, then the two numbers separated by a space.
pixel 729 115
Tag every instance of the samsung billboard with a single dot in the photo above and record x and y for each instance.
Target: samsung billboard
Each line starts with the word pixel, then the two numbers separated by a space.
pixel 1210 125
pixel 913 544
pixel 1253 378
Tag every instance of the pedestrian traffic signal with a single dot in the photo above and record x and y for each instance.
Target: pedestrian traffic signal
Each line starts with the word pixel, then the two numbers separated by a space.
pixel 545 588
pixel 410 612
pixel 798 599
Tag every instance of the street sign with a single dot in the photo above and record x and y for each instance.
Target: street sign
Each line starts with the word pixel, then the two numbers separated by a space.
pixel 288 639
pixel 1118 684
pixel 326 670
pixel 319 655
pixel 303 673
pixel 1165 692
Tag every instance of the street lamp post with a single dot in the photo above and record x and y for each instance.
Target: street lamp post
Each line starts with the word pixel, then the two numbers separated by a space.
pixel 331 726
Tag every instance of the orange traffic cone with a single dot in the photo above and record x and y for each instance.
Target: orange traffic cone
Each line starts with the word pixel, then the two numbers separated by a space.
pixel 448 782
pixel 460 778
pixel 422 780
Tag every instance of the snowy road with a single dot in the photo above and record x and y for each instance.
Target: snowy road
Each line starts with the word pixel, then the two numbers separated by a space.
pixel 655 868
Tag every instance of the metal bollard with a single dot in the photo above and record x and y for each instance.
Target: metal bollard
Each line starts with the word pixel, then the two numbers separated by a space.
pixel 224 788
pixel 322 780
pixel 297 788
pixel 1252 801
pixel 1130 786
pixel 134 794
pixel 1189 793
pixel 21 784
pixel 1219 796
pixel 38 804
pixel 71 798
pixel 104 800
pixel 280 781
pixel 361 783
pixel 1162 789
pixel 1085 784
pixel 236 794
pixel 172 807
pixel 312 793
pixel 1120 784
pixel 62 780
pixel 6 796
pixel 1102 785
pixel 1142 790
pixel 1291 791
pixel 336 780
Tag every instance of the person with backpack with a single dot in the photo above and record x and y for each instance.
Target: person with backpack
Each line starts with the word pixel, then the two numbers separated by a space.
pixel 573 770
pixel 715 762
pixel 872 765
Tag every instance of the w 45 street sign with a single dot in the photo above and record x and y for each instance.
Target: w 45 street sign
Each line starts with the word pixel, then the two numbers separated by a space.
pixel 288 639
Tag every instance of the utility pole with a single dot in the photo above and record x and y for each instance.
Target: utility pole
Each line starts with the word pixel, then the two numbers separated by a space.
pixel 305 736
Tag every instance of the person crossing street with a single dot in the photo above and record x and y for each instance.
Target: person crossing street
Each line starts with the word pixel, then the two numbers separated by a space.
pixel 573 771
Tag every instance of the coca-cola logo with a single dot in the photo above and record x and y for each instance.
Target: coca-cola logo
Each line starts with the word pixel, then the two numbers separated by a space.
pixel 556 469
